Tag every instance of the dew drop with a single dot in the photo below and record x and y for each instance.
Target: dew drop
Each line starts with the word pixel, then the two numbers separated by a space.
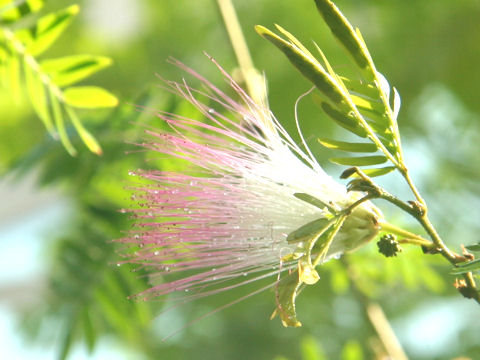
pixel 211 111
pixel 156 253
pixel 167 269
pixel 132 173
pixel 136 236
pixel 118 264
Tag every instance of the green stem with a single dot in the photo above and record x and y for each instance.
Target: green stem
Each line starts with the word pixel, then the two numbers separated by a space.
pixel 237 40
pixel 409 237
pixel 408 179
pixel 376 317
pixel 419 212
pixel 254 83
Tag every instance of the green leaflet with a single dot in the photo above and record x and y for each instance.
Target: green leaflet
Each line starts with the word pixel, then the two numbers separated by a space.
pixel 346 121
pixel 360 88
pixel 306 64
pixel 18 48
pixel 364 107
pixel 312 229
pixel 38 97
pixel 348 146
pixel 87 138
pixel 360 161
pixel 475 247
pixel 287 290
pixel 314 201
pixel 318 236
pixel 71 69
pixel 348 37
pixel 49 28
pixel 466 267
pixel 373 172
pixel 11 11
pixel 60 123
pixel 89 97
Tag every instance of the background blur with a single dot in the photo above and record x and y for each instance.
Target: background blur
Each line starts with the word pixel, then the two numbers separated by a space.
pixel 60 293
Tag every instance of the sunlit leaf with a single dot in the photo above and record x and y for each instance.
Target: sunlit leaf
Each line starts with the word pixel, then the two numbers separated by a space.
pixel 49 28
pixel 87 138
pixel 60 123
pixel 377 171
pixel 71 69
pixel 38 97
pixel 90 97
pixel 359 161
pixel 12 70
pixel 347 122
pixel 371 105
pixel 306 64
pixel 360 88
pixel 348 146
pixel 11 11
pixel 345 33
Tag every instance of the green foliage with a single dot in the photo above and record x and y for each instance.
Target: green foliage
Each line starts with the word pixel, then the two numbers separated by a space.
pixel 311 349
pixel 407 48
pixel 363 107
pixel 88 294
pixel 23 37
pixel 352 351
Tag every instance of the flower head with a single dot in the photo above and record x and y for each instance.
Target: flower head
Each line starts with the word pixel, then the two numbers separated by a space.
pixel 249 203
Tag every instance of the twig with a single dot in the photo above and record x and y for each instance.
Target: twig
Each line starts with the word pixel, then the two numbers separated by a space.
pixel 418 210
pixel 377 318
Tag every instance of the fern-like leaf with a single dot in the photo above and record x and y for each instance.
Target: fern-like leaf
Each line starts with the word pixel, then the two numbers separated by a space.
pixel 367 107
pixel 21 42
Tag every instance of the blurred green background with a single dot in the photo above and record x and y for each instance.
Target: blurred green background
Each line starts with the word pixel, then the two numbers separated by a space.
pixel 60 286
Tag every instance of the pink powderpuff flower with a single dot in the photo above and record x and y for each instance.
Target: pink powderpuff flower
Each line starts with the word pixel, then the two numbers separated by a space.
pixel 223 221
